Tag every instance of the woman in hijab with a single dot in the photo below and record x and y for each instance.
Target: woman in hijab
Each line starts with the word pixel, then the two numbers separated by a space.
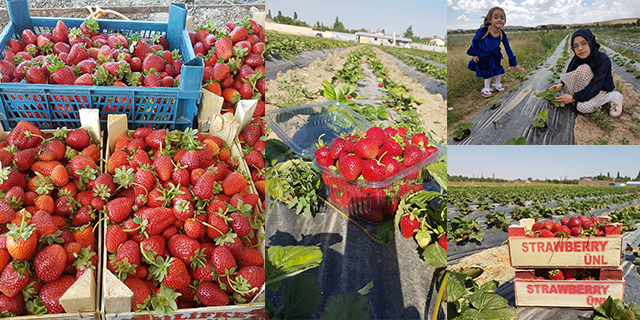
pixel 588 82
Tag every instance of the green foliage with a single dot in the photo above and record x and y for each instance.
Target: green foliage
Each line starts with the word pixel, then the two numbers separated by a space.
pixel 540 120
pixel 616 309
pixel 420 65
pixel 460 129
pixel 496 219
pixel 519 141
pixel 549 95
pixel 466 299
pixel 462 228
pixel 285 262
pixel 295 183
pixel 287 45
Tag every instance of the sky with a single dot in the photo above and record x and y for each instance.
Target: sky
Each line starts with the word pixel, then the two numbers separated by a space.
pixel 467 14
pixel 427 17
pixel 541 162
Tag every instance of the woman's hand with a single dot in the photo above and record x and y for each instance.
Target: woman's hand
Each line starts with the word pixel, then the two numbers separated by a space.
pixel 565 98
pixel 475 59
pixel 556 86
pixel 518 68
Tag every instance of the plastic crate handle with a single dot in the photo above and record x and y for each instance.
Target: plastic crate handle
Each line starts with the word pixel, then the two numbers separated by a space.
pixel 19 15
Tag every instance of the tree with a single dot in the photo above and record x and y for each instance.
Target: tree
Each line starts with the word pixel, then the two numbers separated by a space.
pixel 638 22
pixel 295 15
pixel 269 14
pixel 408 33
pixel 638 177
pixel 338 26
pixel 618 176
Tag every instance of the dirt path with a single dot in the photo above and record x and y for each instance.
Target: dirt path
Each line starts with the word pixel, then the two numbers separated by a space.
pixel 434 108
pixel 627 126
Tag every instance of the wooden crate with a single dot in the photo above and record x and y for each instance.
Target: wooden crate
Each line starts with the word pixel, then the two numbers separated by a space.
pixel 573 252
pixel 81 301
pixel 530 292
pixel 117 299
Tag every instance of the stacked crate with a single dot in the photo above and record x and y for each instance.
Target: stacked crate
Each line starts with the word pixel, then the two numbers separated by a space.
pixel 530 254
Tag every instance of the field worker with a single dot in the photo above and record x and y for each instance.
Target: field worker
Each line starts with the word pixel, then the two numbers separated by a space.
pixel 486 53
pixel 588 82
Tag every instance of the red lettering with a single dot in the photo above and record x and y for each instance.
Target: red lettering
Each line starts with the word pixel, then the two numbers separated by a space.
pixel 529 288
pixel 563 288
pixel 545 289
pixel 605 289
pixel 580 289
pixel 549 247
pixel 553 289
pixel 588 290
pixel 577 247
pixel 525 248
pixel 572 289
pixel 569 246
pixel 604 245
pixel 540 247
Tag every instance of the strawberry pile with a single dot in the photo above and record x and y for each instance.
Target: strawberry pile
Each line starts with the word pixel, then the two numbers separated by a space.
pixel 234 62
pixel 253 140
pixel 181 228
pixel 576 226
pixel 568 274
pixel 86 56
pixel 373 156
pixel 51 191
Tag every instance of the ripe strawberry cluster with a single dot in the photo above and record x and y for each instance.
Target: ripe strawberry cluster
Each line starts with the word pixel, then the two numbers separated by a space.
pixel 234 62
pixel 52 191
pixel 568 274
pixel 372 156
pixel 181 219
pixel 252 137
pixel 86 56
pixel 580 226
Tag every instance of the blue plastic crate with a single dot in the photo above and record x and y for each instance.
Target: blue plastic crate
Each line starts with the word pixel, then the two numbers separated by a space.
pixel 51 106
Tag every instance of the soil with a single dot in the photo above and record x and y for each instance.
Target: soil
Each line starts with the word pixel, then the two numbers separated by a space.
pixel 433 111
pixel 494 261
pixel 473 103
pixel 587 131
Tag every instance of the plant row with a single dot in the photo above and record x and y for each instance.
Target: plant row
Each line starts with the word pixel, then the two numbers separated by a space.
pixel 287 45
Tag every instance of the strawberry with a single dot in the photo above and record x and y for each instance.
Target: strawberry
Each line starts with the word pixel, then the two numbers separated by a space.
pixel 254 159
pixel 555 274
pixel 248 282
pixel 52 291
pixel 350 166
pixel 163 166
pixel 118 209
pixel 24 159
pixel 240 224
pixel 373 170
pixel 408 225
pixel 377 134
pixel 224 48
pixel 44 223
pixel 21 241
pixel 78 139
pixel 210 294
pixel 234 183
pixel 50 262
pixel 254 60
pixel 367 148
pixel 251 257
pixel 177 275
pixel 140 291
pixel 28 36
pixel 252 134
pixel 7 213
pixel 114 237
pixel 62 74
pixel 152 79
pixel 223 261
pixel 152 61
pixel 25 135
pixel 13 305
pixel 14 277
pixel 158 219
pixel 442 241
pixel 420 139
pixel 154 244
pixel 60 33
pixel 183 248
pixel 412 154
pixel 190 160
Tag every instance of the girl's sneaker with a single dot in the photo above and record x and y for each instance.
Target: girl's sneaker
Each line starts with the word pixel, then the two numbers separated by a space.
pixel 487 92
pixel 616 106
pixel 499 87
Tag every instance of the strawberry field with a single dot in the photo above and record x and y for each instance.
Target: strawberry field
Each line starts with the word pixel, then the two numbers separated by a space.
pixel 484 215
pixel 364 186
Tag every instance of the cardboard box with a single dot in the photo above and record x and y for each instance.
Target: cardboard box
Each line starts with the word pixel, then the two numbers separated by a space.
pixel 81 300
pixel 567 293
pixel 117 298
pixel 575 252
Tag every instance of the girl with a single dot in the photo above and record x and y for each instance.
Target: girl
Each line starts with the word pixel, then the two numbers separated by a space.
pixel 486 53
pixel 588 82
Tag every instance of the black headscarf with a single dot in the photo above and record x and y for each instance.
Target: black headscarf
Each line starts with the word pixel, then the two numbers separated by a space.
pixel 595 55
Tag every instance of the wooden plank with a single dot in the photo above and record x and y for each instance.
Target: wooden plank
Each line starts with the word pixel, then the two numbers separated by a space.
pixel 591 252
pixel 569 294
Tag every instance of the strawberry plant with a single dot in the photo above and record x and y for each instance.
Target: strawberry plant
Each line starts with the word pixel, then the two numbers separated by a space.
pixel 549 95
pixel 497 220
pixel 461 130
pixel 540 120
pixel 461 228
pixel 287 45
pixel 616 309
pixel 295 183
pixel 524 213
pixel 517 142
pixel 466 299
pixel 398 95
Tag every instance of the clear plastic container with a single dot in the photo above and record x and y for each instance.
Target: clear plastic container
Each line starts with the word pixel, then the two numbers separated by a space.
pixel 374 201
pixel 300 127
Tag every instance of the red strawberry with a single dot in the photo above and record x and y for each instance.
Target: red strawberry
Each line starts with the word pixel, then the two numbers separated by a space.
pixel 60 33
pixel 118 209
pixel 203 188
pixel 412 154
pixel 52 291
pixel 556 274
pixel 224 48
pixel 36 74
pixel 240 224
pixel 28 36
pixel 408 225
pixel 140 291
pixel 254 159
pixel 442 241
pixel 25 158
pixel 163 166
pixel 78 139
pixel 234 183
pixel 238 34
pixel 177 275
pixel 183 248
pixel 350 166
pixel 25 135
pixel 367 148
pixel 373 170
pixel 84 80
pixel 152 61
pixel 13 305
pixel 152 79
pixel 50 262
pixel 252 134
pixel 223 261
pixel 251 257
pixel 114 237
pixel 13 278
pixel 218 224
pixel 248 281
pixel 158 219
pixel 210 294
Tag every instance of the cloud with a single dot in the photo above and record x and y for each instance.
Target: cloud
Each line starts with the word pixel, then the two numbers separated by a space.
pixel 474 6
pixel 449 3
pixel 463 18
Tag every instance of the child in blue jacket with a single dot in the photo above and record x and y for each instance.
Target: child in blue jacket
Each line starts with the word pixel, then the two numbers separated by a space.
pixel 485 51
